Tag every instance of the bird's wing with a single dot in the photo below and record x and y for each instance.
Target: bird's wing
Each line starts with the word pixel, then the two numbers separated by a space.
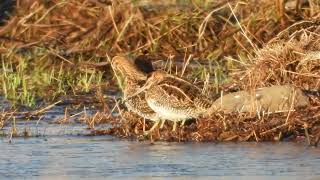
pixel 173 92
pixel 189 90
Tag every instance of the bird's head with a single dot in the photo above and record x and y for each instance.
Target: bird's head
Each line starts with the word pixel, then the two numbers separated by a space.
pixel 127 68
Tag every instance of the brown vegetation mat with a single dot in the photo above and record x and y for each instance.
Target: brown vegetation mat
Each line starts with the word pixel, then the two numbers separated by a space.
pixel 302 124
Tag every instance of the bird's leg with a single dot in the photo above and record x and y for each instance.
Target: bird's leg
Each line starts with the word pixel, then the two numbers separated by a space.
pixel 182 123
pixel 144 125
pixel 162 123
pixel 174 126
pixel 153 127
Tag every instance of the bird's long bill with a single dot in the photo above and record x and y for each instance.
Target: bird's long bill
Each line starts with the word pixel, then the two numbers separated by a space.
pixel 140 90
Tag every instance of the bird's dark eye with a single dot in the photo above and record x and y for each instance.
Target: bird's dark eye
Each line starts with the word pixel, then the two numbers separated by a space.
pixel 149 75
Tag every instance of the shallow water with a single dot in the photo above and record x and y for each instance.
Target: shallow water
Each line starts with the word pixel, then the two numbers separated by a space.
pixel 66 151
pixel 75 157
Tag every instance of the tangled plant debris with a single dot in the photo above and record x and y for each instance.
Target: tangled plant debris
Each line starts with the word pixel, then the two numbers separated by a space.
pixel 303 124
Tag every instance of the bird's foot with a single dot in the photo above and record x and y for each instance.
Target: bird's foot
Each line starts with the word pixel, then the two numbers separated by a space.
pixel 152 128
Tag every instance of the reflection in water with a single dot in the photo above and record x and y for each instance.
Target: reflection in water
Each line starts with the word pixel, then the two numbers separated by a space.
pixel 66 157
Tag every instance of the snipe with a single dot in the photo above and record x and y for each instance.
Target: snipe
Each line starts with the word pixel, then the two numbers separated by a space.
pixel 173 98
pixel 134 78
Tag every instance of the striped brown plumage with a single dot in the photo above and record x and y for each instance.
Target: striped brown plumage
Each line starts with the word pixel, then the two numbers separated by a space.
pixel 173 98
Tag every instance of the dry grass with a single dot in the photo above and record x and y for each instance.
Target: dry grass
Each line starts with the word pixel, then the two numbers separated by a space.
pixel 292 57
pixel 66 28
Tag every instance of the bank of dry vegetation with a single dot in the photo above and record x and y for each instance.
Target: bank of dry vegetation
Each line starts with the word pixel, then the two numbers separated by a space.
pixel 54 49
